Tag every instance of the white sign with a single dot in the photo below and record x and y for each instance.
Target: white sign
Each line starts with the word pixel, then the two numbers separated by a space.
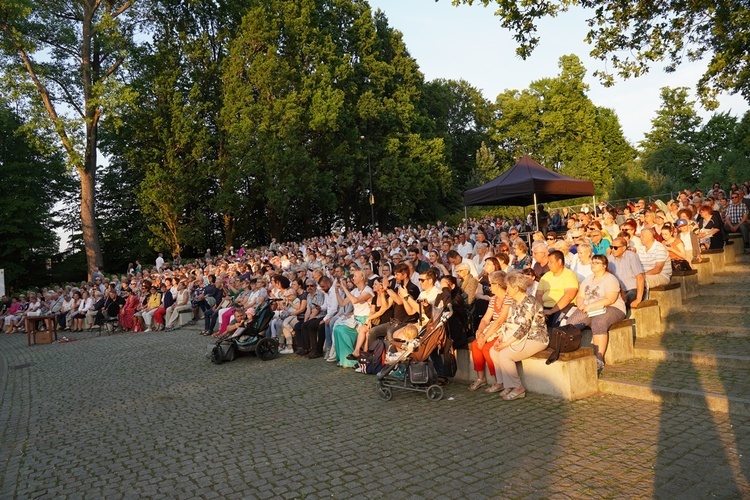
pixel 2 282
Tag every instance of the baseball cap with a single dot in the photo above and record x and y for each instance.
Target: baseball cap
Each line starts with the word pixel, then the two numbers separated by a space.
pixel 680 223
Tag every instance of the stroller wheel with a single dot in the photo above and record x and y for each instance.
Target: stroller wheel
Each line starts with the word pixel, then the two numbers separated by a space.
pixel 434 393
pixel 216 355
pixel 267 349
pixel 385 393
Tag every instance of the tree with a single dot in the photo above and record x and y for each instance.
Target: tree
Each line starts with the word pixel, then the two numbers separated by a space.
pixel 555 122
pixel 63 58
pixel 458 113
pixel 324 94
pixel 631 35
pixel 31 176
pixel 668 147
pixel 715 146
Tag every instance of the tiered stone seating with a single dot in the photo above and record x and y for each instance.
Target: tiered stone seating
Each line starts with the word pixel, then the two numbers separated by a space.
pixel 573 375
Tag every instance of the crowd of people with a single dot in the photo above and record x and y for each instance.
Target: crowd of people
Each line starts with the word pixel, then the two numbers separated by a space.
pixel 338 294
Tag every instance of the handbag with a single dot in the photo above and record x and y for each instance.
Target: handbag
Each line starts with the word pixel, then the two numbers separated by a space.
pixel 563 339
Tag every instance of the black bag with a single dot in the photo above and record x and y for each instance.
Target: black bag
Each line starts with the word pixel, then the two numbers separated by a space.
pixel 373 360
pixel 681 265
pixel 563 339
pixel 450 366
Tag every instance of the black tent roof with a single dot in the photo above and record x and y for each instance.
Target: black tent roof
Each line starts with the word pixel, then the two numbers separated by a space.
pixel 518 185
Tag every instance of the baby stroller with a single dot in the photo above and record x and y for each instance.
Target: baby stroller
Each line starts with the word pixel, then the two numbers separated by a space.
pixel 248 339
pixel 410 369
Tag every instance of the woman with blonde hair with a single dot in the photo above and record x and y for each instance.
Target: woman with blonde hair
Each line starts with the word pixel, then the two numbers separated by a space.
pixel 524 334
pixel 487 332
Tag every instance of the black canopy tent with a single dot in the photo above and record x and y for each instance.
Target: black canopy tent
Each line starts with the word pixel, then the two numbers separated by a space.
pixel 528 183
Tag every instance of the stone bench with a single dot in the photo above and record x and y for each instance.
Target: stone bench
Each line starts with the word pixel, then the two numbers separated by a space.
pixel 647 319
pixel 734 248
pixel 717 259
pixel 621 339
pixel 573 376
pixel 688 281
pixel 705 270
pixel 668 296
pixel 185 317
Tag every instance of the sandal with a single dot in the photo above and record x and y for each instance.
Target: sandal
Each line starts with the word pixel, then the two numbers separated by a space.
pixel 477 384
pixel 505 392
pixel 443 381
pixel 494 388
pixel 515 394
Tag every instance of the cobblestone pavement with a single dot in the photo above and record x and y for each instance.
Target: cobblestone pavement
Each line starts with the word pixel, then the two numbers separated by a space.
pixel 147 416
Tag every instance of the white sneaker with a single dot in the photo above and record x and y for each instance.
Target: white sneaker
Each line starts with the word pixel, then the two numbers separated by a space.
pixel 331 360
pixel 358 369
pixel 147 330
pixel 286 351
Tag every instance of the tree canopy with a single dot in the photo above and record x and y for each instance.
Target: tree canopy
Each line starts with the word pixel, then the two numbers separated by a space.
pixel 631 35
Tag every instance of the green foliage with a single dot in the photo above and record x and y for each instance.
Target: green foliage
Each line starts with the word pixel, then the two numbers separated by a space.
pixel 321 94
pixel 630 35
pixel 459 114
pixel 30 179
pixel 557 124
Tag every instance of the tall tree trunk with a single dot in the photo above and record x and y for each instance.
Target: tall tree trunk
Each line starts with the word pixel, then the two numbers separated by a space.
pixel 88 220
pixel 229 227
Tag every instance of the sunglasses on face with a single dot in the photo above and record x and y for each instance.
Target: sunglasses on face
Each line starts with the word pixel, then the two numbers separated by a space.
pixel 615 247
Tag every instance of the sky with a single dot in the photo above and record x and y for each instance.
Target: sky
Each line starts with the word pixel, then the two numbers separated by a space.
pixel 468 43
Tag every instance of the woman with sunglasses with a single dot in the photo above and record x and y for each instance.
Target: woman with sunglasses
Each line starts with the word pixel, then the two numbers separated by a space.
pixel 600 291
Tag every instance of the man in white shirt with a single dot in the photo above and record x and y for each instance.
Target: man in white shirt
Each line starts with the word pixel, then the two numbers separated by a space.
pixel 455 258
pixel 464 248
pixel 159 262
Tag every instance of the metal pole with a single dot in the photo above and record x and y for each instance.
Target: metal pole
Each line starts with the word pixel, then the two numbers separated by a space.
pixel 372 195
pixel 536 213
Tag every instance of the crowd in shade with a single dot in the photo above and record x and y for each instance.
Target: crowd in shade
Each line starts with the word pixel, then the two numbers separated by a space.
pixel 507 281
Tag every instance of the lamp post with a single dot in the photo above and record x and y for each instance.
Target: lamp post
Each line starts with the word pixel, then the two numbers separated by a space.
pixel 372 196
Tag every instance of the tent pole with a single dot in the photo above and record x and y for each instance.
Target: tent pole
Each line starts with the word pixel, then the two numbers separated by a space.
pixel 593 200
pixel 536 213
pixel 466 215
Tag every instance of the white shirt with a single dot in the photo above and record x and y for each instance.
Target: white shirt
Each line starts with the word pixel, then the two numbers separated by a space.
pixel 159 263
pixel 465 249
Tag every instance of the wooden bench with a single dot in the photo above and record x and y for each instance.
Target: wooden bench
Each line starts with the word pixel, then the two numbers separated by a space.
pixel 621 339
pixel 668 296
pixel 573 376
pixel 717 259
pixel 705 270
pixel 688 281
pixel 647 319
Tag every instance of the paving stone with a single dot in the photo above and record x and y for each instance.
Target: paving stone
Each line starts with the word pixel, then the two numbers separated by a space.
pixel 146 415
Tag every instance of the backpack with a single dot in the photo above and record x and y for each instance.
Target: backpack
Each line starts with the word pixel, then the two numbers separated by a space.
pixel 373 361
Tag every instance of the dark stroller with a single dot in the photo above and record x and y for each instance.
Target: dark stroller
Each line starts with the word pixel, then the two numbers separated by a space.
pixel 248 339
pixel 410 368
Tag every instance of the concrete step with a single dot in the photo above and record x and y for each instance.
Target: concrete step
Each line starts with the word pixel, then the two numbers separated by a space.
pixel 736 276
pixel 706 349
pixel 732 304
pixel 707 322
pixel 720 291
pixel 717 388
